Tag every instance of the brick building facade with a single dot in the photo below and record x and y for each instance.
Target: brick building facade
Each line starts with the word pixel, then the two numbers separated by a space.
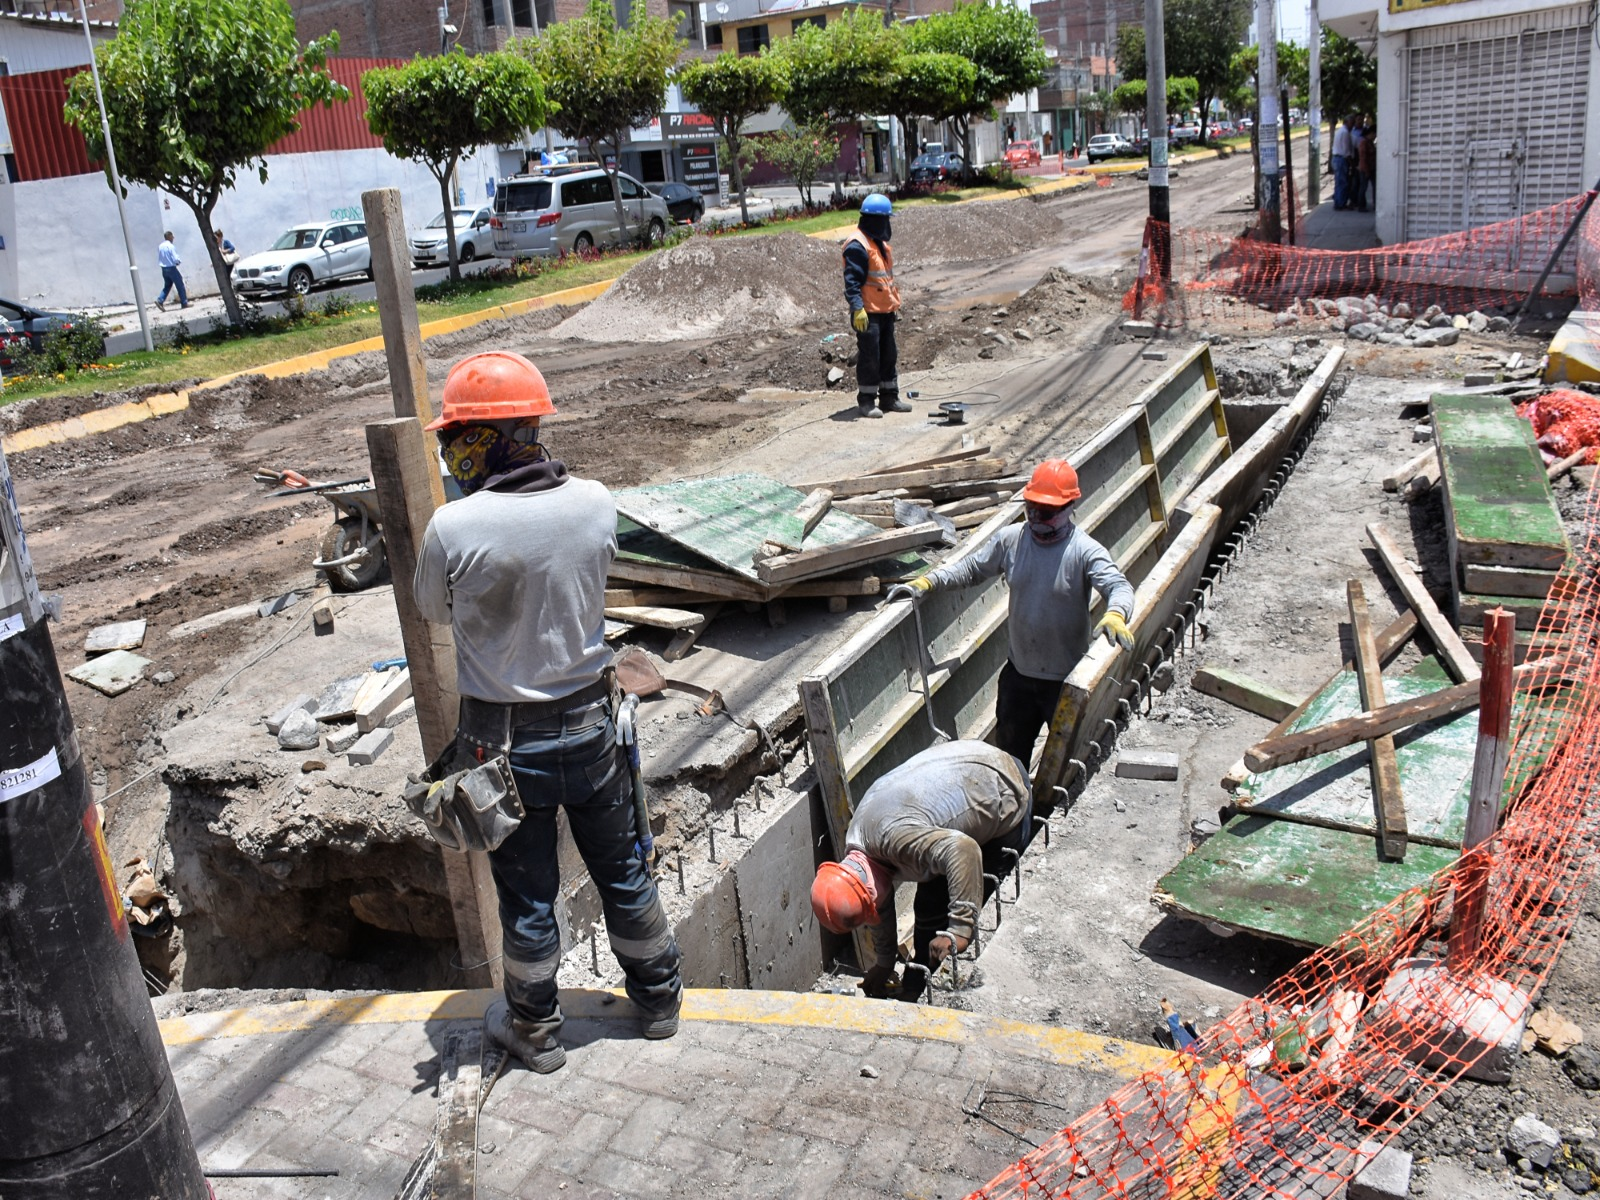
pixel 406 28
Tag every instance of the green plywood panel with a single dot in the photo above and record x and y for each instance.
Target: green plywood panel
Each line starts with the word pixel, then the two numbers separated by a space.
pixel 1500 508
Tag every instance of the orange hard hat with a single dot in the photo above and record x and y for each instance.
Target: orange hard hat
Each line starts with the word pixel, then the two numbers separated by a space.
pixel 496 385
pixel 841 900
pixel 1054 483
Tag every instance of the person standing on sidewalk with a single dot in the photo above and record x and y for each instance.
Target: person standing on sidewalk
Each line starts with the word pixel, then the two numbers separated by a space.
pixel 517 569
pixel 1341 160
pixel 874 299
pixel 1050 566
pixel 171 277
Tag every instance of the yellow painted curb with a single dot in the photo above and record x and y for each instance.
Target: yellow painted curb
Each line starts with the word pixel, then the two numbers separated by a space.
pixel 1048 1043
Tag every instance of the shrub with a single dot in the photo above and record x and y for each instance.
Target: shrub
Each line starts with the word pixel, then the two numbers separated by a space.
pixel 67 347
pixel 338 304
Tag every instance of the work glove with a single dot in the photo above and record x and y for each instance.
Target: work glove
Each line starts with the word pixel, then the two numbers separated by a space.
pixel 1116 630
pixel 915 590
pixel 879 982
pixel 858 320
pixel 941 948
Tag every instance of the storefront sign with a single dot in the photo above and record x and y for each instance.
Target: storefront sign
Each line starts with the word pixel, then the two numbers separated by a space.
pixel 699 162
pixel 680 127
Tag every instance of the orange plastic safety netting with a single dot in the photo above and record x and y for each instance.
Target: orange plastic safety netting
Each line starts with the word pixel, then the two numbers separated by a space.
pixel 1245 280
pixel 1564 422
pixel 1359 1038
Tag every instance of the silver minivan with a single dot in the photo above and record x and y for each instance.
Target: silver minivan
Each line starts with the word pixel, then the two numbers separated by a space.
pixel 555 214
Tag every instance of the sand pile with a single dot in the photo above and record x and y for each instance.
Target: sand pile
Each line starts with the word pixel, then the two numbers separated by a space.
pixel 1061 296
pixel 712 284
pixel 930 233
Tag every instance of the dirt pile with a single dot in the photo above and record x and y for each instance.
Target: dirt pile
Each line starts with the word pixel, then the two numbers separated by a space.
pixel 966 232
pixel 709 285
pixel 1061 296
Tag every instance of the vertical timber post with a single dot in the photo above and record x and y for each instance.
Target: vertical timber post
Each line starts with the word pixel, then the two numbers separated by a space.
pixel 91 1107
pixel 1488 782
pixel 1314 110
pixel 1271 224
pixel 406 476
pixel 1159 238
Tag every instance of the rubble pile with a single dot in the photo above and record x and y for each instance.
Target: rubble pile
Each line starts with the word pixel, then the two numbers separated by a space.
pixel 970 232
pixel 1368 319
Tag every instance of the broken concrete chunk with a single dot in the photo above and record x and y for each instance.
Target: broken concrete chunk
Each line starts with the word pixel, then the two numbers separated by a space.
pixel 1439 337
pixel 337 702
pixel 1147 764
pixel 1478 378
pixel 1387 1175
pixel 278 603
pixel 1582 1065
pixel 121 635
pixel 342 737
pixel 1365 331
pixel 112 673
pixel 1450 1020
pixel 370 747
pixel 1532 1139
pixel 408 710
pixel 300 731
pixel 835 375
pixel 304 702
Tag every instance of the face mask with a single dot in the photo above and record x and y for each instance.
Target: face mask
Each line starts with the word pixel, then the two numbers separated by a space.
pixel 1049 529
pixel 475 454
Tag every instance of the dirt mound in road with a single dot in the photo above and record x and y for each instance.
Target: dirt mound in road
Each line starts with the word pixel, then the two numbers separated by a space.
pixel 709 285
pixel 929 233
pixel 1061 296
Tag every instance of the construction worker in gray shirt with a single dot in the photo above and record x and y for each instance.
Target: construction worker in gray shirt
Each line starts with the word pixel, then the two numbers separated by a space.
pixel 518 569
pixel 944 819
pixel 1050 566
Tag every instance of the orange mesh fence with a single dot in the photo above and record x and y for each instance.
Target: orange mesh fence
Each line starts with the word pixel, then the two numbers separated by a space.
pixel 1243 278
pixel 1565 422
pixel 1359 1038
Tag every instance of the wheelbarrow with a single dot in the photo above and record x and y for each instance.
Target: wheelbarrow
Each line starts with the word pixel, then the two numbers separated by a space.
pixel 351 554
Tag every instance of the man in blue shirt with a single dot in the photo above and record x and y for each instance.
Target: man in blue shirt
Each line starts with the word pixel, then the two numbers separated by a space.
pixel 170 276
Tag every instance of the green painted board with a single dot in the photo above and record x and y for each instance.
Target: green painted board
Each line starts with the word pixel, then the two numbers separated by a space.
pixel 1498 501
pixel 651 549
pixel 1335 789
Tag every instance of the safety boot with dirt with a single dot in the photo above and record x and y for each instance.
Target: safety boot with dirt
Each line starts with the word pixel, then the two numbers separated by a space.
pixel 894 404
pixel 867 410
pixel 537 1048
pixel 663 1025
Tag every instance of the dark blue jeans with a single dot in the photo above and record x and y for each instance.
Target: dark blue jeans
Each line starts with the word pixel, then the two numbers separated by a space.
pixel 172 278
pixel 583 770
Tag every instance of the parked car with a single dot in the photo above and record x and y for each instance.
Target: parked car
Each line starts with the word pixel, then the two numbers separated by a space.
pixel 25 327
pixel 305 255
pixel 1183 135
pixel 428 243
pixel 535 215
pixel 1107 145
pixel 1022 154
pixel 683 202
pixel 937 166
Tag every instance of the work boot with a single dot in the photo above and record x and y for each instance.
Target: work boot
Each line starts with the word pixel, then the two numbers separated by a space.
pixel 664 1025
pixel 893 404
pixel 867 410
pixel 538 1049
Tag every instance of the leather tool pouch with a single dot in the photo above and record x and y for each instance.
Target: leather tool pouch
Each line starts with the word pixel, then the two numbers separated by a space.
pixel 468 796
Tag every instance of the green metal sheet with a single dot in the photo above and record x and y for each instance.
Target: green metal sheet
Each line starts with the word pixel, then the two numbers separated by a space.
pixel 1498 497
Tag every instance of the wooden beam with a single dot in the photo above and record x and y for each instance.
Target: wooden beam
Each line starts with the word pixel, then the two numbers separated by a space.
pixel 1242 691
pixel 1273 752
pixel 1523 582
pixel 711 583
pixel 954 508
pixel 655 597
pixel 371 710
pixel 1445 639
pixel 1557 469
pixel 977 468
pixel 397 305
pixel 1388 800
pixel 973 487
pixel 809 513
pixel 833 588
pixel 659 618
pixel 973 519
pixel 866 508
pixel 808 563
pixel 1404 474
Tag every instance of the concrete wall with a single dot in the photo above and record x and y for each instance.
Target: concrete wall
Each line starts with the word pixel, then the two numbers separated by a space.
pixel 63 242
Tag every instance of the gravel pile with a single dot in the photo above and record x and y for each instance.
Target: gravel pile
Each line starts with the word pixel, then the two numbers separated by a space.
pixel 710 285
pixel 968 232
pixel 1061 296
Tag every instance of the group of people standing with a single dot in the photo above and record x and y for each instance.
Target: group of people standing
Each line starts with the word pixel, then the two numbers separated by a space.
pixel 1355 161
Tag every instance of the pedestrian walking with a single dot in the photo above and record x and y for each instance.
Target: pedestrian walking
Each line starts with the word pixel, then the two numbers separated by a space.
pixel 229 254
pixel 870 290
pixel 517 569
pixel 1341 159
pixel 171 277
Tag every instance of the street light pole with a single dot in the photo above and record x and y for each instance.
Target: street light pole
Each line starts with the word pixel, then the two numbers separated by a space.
pixel 1267 131
pixel 116 184
pixel 1155 114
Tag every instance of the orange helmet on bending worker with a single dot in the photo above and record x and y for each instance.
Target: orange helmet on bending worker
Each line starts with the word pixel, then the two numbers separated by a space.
pixel 496 385
pixel 841 899
pixel 1054 483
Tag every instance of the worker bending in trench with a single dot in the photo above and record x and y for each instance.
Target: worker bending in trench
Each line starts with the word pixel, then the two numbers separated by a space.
pixel 874 299
pixel 517 569
pixel 944 819
pixel 1050 566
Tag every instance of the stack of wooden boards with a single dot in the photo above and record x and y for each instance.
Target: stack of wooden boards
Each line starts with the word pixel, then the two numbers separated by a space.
pixel 686 548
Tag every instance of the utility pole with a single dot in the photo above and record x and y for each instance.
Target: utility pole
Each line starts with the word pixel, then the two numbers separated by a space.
pixel 1314 110
pixel 1267 131
pixel 92 1109
pixel 1158 236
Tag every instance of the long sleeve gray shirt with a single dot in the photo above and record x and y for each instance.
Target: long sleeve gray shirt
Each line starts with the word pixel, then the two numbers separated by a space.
pixel 931 817
pixel 521 577
pixel 1048 624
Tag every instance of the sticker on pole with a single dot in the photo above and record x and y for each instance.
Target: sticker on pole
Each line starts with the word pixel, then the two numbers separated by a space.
pixel 11 626
pixel 19 781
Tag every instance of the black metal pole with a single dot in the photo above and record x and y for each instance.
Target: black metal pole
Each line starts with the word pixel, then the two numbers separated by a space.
pixel 88 1106
pixel 1288 160
pixel 1155 57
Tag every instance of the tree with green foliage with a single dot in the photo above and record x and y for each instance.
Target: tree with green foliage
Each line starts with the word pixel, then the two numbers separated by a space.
pixel 1003 45
pixel 1130 97
pixel 1202 37
pixel 801 151
pixel 1349 80
pixel 1130 53
pixel 934 86
pixel 839 72
pixel 604 79
pixel 434 110
pixel 1183 93
pixel 730 89
pixel 196 90
pixel 1097 104
pixel 1293 72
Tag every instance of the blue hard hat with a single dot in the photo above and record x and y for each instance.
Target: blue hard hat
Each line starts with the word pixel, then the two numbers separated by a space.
pixel 876 204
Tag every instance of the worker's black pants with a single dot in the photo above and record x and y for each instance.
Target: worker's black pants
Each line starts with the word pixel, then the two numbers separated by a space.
pixel 877 362
pixel 1024 706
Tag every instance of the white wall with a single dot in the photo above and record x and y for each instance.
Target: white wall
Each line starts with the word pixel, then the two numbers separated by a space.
pixel 1390 166
pixel 63 242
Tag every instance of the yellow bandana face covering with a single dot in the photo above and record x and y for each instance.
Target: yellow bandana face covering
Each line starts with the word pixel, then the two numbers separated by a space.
pixel 476 454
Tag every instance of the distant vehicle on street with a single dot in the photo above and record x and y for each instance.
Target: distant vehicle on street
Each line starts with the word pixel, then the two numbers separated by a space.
pixel 1023 154
pixel 305 255
pixel 472 238
pixel 1107 145
pixel 1183 135
pixel 935 167
pixel 684 203
pixel 25 327
pixel 539 216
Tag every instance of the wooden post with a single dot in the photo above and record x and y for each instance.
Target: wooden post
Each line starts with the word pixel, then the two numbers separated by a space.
pixel 402 472
pixel 1488 781
pixel 397 306
pixel 1388 803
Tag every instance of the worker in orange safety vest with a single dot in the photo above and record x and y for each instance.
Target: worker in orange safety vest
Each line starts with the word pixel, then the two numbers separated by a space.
pixel 874 299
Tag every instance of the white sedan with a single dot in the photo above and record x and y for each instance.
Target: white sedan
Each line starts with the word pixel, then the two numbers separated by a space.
pixel 306 255
pixel 472 235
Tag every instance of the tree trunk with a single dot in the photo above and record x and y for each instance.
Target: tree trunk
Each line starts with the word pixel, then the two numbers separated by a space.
pixel 616 189
pixel 738 171
pixel 220 269
pixel 449 219
pixel 964 132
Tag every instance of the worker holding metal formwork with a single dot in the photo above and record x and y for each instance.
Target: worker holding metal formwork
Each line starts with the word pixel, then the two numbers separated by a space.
pixel 518 570
pixel 1050 565
pixel 874 299
pixel 944 819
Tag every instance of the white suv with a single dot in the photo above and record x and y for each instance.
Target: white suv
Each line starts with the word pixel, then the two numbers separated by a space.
pixel 1107 145
pixel 307 254
pixel 559 214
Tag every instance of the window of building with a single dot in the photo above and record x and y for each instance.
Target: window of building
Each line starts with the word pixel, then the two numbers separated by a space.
pixel 820 21
pixel 713 35
pixel 752 38
pixel 488 13
pixel 522 13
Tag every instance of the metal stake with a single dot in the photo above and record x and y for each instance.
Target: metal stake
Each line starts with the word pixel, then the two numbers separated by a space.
pixel 680 871
pixel 594 949
pixel 736 832
pixel 711 833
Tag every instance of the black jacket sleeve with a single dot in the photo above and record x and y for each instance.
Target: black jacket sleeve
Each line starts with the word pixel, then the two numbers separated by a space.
pixel 855 273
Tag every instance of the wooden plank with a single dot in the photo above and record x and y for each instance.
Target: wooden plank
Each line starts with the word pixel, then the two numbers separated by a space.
pixel 455 1175
pixel 1403 474
pixel 1471 608
pixel 1242 691
pixel 956 491
pixel 656 597
pixel 659 618
pixel 372 711
pixel 120 635
pixel 833 588
pixel 954 508
pixel 1506 581
pixel 809 563
pixel 938 461
pixel 866 508
pixel 977 468
pixel 1577 458
pixel 972 519
pixel 1443 637
pixel 710 583
pixel 810 513
pixel 1423 481
pixel 1388 801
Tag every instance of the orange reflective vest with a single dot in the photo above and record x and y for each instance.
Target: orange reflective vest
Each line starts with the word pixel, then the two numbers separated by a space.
pixel 879 293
